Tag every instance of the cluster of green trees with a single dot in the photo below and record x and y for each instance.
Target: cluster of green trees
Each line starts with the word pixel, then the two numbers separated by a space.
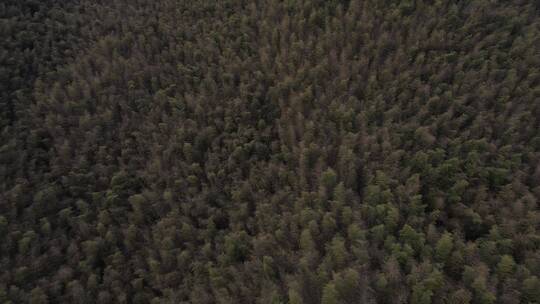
pixel 299 151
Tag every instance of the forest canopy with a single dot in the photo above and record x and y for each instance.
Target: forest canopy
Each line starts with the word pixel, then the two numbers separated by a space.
pixel 298 151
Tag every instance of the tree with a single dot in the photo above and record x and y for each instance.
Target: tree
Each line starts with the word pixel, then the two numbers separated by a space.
pixel 269 151
pixel 531 289
pixel 3 226
pixel 506 266
pixel 337 253
pixel 409 236
pixel 460 296
pixel 329 179
pixel 329 295
pixel 306 241
pixel 38 296
pixel 421 295
pixel 294 297
pixel 444 248
pixel 347 285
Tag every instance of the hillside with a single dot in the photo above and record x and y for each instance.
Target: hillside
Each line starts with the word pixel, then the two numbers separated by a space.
pixel 298 151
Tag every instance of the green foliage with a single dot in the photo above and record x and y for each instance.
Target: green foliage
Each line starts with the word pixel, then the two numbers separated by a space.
pixel 443 248
pixel 531 289
pixel 337 253
pixel 329 179
pixel 412 238
pixel 237 246
pixel 269 151
pixel 330 294
pixel 347 286
pixel 38 296
pixel 421 295
pixel 3 226
pixel 460 296
pixel 294 297
pixel 506 266
pixel 306 241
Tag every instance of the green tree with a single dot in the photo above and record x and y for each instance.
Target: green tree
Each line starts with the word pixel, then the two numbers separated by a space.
pixel 421 295
pixel 443 248
pixel 294 297
pixel 330 294
pixel 38 296
pixel 531 289
pixel 329 179
pixel 506 266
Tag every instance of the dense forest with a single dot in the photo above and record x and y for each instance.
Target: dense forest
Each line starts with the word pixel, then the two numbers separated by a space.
pixel 265 151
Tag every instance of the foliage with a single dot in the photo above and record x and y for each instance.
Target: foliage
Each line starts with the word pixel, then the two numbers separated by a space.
pixel 299 151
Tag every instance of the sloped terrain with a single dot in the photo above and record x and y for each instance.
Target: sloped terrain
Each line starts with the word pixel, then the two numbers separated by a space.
pixel 300 151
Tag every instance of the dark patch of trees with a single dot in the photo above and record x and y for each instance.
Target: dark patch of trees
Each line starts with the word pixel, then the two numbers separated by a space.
pixel 299 151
